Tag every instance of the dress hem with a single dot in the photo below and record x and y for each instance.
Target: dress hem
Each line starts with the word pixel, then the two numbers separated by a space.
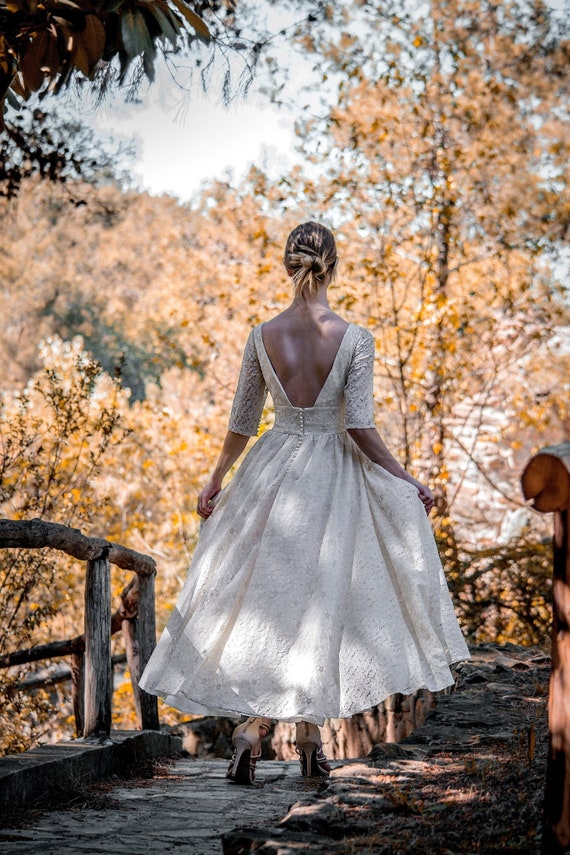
pixel 193 707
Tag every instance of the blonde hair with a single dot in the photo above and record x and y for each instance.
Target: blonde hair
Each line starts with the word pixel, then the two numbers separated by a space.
pixel 310 257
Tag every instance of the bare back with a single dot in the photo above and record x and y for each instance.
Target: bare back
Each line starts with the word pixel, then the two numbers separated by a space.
pixel 302 346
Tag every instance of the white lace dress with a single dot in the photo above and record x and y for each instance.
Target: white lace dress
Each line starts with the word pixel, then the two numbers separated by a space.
pixel 316 589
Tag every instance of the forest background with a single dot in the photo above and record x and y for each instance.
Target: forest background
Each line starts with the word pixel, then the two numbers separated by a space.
pixel 436 144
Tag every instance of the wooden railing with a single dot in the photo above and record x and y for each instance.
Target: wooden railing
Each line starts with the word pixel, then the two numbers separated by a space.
pixel 546 480
pixel 90 653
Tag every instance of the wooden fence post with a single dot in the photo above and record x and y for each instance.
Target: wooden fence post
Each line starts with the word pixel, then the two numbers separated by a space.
pixel 78 690
pixel 546 480
pixel 91 672
pixel 556 832
pixel 98 668
pixel 146 636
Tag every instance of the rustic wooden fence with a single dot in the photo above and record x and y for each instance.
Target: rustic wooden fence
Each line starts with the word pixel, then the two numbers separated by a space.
pixel 90 653
pixel 546 480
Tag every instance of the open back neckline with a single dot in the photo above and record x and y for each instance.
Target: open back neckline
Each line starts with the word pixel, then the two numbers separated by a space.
pixel 280 384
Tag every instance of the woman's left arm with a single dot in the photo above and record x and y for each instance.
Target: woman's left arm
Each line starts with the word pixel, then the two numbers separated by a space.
pixel 234 444
pixel 245 416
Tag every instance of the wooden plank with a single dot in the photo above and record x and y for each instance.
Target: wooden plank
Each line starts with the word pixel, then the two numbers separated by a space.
pixel 98 670
pixel 146 633
pixel 36 534
pixel 62 674
pixel 55 649
pixel 556 829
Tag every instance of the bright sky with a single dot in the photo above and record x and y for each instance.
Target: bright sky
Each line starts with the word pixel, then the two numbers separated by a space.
pixel 185 138
pixel 178 148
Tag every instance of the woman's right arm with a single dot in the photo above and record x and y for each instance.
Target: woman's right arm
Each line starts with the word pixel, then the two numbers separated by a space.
pixel 359 416
pixel 372 445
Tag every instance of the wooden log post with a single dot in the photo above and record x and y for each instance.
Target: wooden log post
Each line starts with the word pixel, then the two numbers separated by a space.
pixel 146 636
pixel 546 480
pixel 129 611
pixel 98 668
pixel 93 671
pixel 78 690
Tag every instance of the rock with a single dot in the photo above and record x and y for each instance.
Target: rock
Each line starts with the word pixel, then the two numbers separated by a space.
pixel 206 737
pixel 383 753
pixel 270 841
pixel 473 724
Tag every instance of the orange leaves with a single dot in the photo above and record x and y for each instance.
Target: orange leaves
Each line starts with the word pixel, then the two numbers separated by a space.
pixel 193 19
pixel 45 41
pixel 67 33
pixel 88 45
pixel 40 60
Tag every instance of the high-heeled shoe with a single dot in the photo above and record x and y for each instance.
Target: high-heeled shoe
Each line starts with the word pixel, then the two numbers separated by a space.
pixel 309 747
pixel 247 738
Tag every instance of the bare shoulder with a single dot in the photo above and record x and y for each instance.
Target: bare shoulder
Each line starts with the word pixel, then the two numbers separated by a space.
pixel 322 324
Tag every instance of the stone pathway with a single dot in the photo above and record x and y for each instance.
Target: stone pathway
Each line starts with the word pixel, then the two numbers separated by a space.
pixel 468 782
pixel 185 813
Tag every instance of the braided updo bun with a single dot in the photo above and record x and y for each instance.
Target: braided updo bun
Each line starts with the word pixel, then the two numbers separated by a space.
pixel 310 258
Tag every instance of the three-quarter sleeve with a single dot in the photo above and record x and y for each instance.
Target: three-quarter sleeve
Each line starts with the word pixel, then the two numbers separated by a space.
pixel 358 390
pixel 250 394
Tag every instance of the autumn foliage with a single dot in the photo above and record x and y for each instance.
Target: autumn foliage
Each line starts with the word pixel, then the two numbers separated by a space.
pixel 441 161
pixel 43 44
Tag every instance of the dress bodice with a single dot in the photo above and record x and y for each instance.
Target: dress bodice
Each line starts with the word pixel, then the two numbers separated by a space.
pixel 345 399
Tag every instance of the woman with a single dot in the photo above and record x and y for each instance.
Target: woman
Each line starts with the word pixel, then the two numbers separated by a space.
pixel 316 589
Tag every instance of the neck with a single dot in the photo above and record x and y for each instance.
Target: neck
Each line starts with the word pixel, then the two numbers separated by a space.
pixel 317 300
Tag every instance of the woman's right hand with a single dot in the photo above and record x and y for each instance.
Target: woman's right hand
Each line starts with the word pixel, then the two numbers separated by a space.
pixel 204 507
pixel 426 496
